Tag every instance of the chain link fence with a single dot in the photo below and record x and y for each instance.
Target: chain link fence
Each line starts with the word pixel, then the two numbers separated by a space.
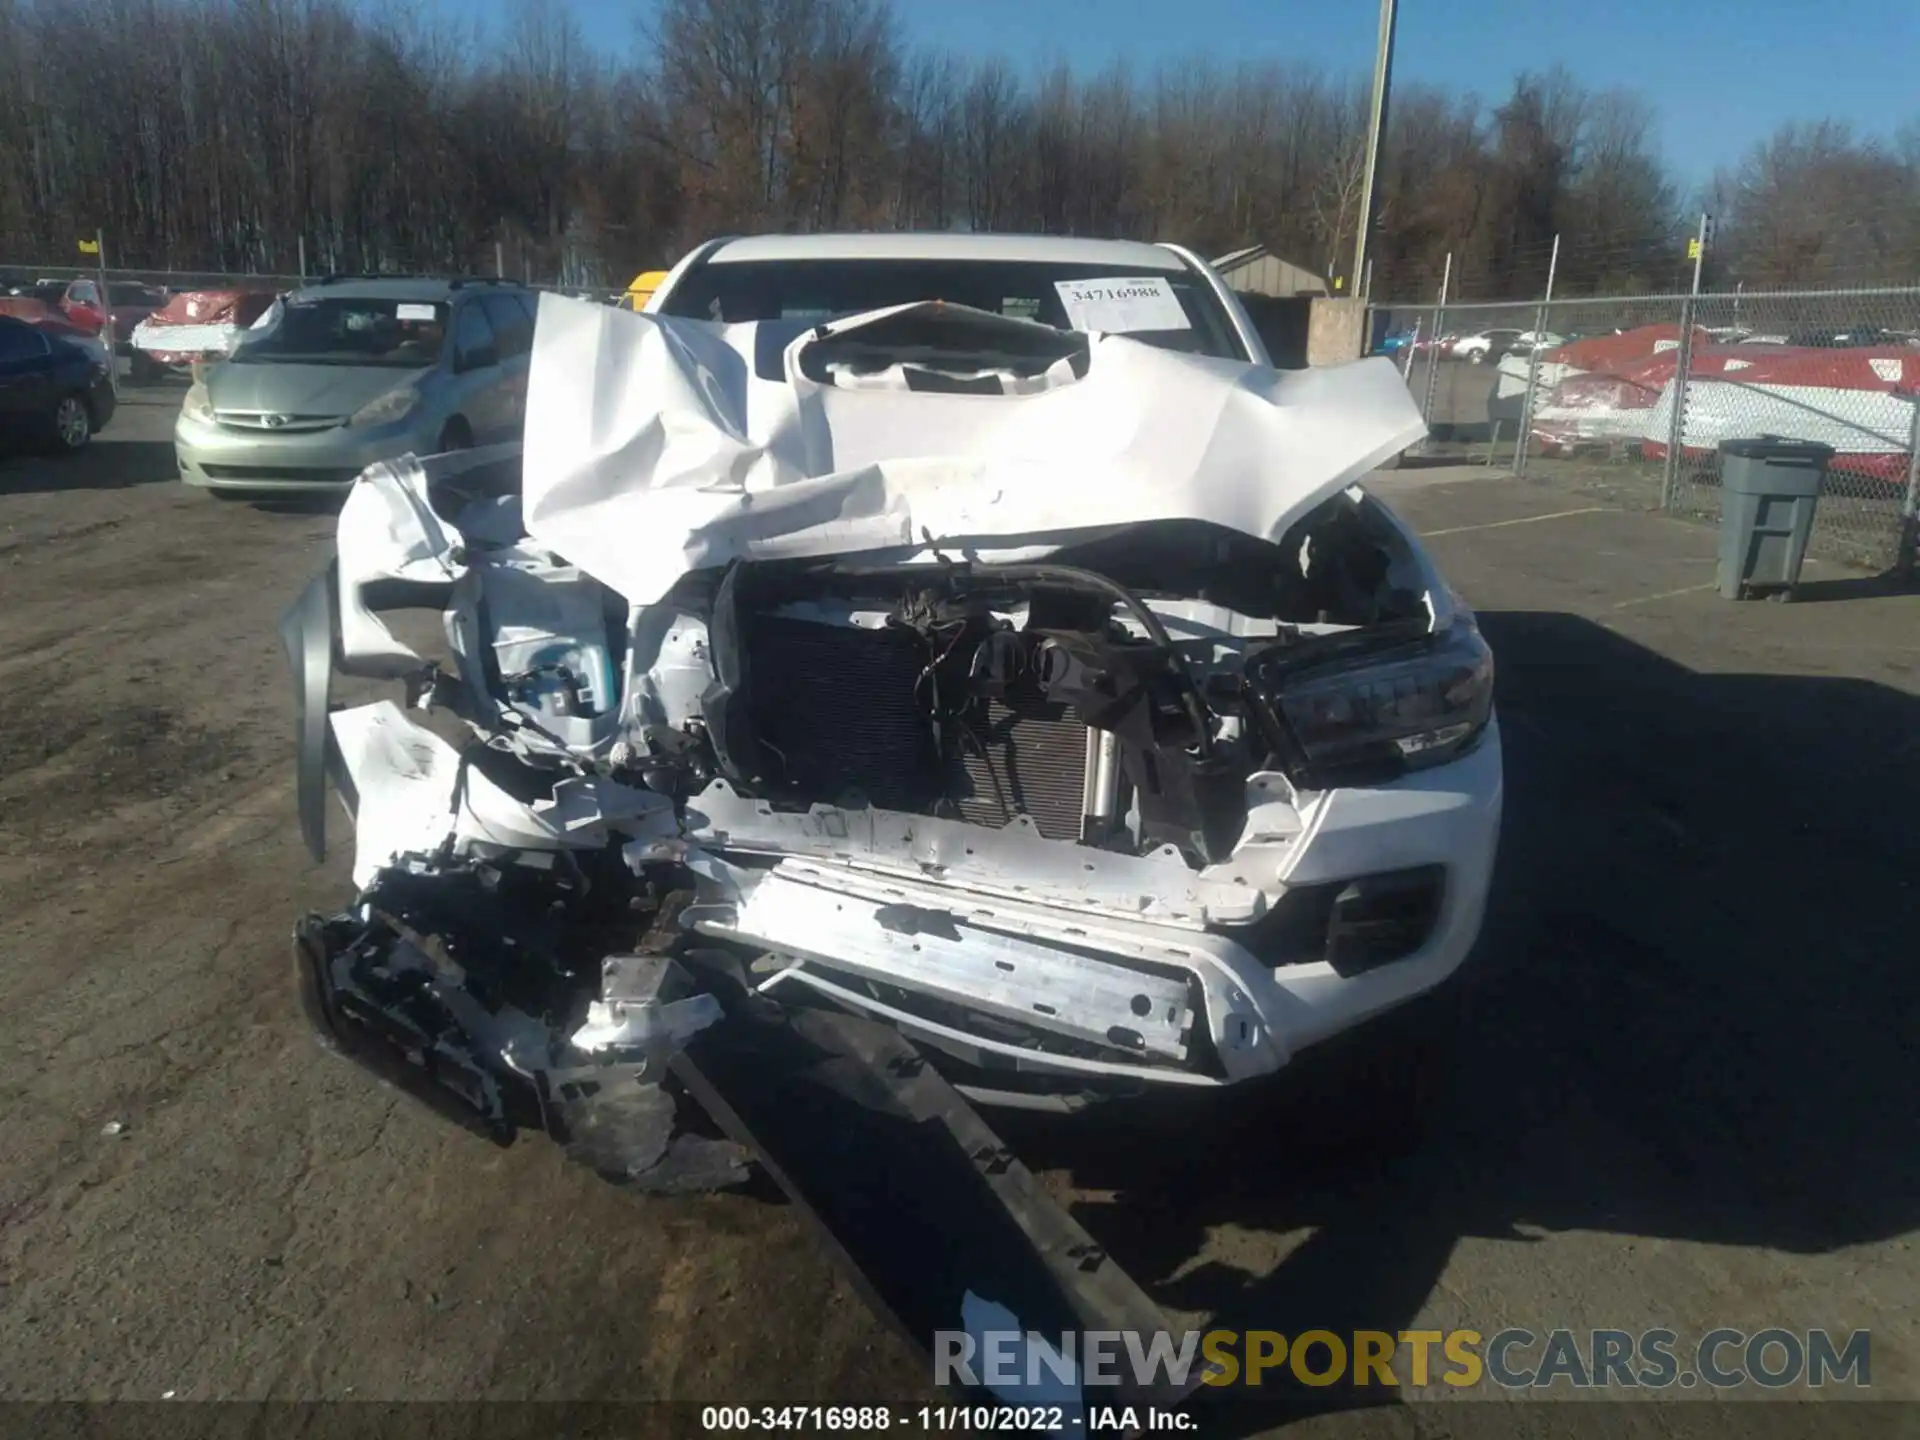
pixel 125 283
pixel 28 274
pixel 542 271
pixel 1631 396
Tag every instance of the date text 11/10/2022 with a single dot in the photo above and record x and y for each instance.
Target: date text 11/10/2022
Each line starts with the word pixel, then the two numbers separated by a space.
pixel 940 1419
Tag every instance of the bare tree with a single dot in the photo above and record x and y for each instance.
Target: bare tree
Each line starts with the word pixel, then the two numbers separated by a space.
pixel 1335 201
pixel 993 125
pixel 1814 204
pixel 244 132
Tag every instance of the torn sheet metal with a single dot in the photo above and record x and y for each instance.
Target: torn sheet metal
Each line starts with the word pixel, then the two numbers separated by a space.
pixel 657 445
pixel 397 550
pixel 641 1010
pixel 382 987
pixel 415 794
pixel 542 627
pixel 390 536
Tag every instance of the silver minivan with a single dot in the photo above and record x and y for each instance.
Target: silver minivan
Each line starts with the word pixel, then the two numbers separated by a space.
pixel 348 371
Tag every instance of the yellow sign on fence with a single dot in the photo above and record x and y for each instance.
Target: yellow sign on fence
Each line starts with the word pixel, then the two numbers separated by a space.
pixel 89 247
pixel 1693 248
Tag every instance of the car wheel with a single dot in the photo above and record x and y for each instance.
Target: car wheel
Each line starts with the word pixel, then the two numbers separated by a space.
pixel 145 368
pixel 72 425
pixel 458 435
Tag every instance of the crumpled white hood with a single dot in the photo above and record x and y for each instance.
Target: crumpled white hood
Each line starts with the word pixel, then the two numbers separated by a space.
pixel 653 449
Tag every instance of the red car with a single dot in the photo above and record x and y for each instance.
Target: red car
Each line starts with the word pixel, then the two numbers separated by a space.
pixel 79 301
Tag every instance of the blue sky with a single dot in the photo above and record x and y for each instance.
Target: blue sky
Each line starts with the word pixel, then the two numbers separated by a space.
pixel 1722 73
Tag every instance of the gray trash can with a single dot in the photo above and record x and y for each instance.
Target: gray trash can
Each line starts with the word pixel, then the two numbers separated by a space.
pixel 1768 490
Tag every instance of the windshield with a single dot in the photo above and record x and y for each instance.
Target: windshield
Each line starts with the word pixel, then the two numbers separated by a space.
pixel 134 295
pixel 348 330
pixel 812 290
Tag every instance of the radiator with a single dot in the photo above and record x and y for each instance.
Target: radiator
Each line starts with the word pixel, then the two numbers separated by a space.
pixel 1038 753
pixel 835 713
pixel 834 707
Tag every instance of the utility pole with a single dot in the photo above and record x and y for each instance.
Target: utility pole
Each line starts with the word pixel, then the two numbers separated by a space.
pixel 1683 369
pixel 1376 135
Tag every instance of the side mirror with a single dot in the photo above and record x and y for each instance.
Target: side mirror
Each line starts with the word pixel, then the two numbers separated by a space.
pixel 476 359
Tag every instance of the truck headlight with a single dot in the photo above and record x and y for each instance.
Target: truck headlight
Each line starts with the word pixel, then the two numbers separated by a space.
pixel 198 405
pixel 395 404
pixel 1378 714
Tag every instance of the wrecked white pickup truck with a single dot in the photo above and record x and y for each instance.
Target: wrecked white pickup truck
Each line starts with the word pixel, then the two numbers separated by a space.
pixel 1054 697
pixel 844 716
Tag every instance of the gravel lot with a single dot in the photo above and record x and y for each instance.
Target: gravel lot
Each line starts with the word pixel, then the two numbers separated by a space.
pixel 1680 1093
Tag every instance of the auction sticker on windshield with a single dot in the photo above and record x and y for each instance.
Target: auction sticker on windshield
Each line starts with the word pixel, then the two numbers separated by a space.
pixel 406 311
pixel 1116 307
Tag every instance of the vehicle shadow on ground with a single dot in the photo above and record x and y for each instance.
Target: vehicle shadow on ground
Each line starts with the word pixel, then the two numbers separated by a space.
pixel 1427 462
pixel 105 464
pixel 1464 432
pixel 1859 587
pixel 325 504
pixel 1690 1019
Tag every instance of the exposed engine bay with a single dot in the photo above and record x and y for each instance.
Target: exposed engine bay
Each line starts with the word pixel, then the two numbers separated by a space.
pixel 1104 697
pixel 1075 808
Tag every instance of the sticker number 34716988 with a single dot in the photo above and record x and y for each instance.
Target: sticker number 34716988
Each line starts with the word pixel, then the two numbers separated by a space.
pixel 1117 306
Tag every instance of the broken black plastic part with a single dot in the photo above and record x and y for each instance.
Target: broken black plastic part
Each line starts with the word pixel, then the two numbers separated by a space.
pixel 1351 925
pixel 676 761
pixel 1156 631
pixel 920 1200
pixel 1196 804
pixel 381 1049
pixel 917 1196
pixel 621 1123
pixel 403 1028
pixel 968 576
pixel 1378 919
pixel 1111 686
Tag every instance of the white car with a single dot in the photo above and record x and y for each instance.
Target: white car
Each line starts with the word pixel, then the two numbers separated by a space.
pixel 1527 341
pixel 1485 345
pixel 969 632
